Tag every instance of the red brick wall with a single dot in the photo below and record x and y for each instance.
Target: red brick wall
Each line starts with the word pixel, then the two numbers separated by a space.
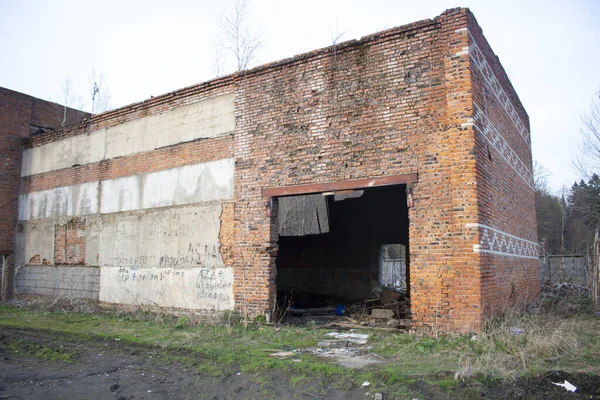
pixel 20 114
pixel 69 242
pixel 393 103
pixel 505 181
pixel 15 114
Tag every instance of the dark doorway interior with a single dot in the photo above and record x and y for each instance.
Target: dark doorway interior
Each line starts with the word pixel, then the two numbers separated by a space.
pixel 331 245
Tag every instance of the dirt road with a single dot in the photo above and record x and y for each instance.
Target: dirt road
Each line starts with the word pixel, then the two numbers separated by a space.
pixel 32 367
pixel 37 364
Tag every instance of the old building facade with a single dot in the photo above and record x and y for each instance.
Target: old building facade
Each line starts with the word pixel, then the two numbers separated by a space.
pixel 411 136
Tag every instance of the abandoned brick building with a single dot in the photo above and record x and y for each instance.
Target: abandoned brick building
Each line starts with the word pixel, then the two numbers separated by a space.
pixel 299 174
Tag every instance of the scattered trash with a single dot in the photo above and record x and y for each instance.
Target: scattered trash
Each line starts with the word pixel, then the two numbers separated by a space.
pixel 117 338
pixel 282 354
pixel 239 373
pixel 340 310
pixel 357 338
pixel 473 338
pixel 517 331
pixel 296 360
pixel 378 396
pixel 567 385
pixel 365 384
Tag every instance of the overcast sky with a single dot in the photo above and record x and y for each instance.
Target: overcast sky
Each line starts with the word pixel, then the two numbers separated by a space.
pixel 550 49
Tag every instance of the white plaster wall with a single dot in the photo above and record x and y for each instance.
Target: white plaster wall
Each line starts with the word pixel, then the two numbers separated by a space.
pixel 166 257
pixel 189 184
pixel 122 194
pixel 65 201
pixel 33 238
pixel 192 288
pixel 181 237
pixel 203 119
pixel 207 118
pixel 177 186
pixel 81 149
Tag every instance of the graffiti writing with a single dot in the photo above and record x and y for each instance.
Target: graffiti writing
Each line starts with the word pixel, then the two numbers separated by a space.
pixel 211 283
pixel 125 275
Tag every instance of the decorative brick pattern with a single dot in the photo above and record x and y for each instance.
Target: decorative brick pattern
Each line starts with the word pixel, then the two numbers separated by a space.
pixel 480 62
pixel 496 140
pixel 495 241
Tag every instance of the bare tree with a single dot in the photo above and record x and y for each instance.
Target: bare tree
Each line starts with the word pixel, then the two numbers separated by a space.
pixel 589 161
pixel 71 104
pixel 540 177
pixel 217 64
pixel 237 37
pixel 100 95
pixel 68 98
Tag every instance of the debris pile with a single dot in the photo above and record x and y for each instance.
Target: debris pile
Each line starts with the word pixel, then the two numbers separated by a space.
pixel 386 308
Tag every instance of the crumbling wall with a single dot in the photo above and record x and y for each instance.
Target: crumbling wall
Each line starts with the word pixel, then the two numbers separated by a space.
pixel 134 207
pixel 507 221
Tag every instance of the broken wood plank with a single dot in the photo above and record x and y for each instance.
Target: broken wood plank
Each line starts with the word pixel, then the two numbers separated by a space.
pixel 382 313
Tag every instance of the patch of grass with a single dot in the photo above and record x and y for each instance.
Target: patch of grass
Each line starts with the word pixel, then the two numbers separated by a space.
pixel 554 336
pixel 300 380
pixel 40 352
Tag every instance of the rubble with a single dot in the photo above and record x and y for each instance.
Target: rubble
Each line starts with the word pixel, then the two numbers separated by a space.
pixel 386 308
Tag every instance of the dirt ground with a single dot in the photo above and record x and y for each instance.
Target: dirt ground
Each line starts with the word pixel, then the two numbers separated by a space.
pixel 109 369
pixel 102 369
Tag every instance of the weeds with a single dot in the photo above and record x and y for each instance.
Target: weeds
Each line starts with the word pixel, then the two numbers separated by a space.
pixel 558 332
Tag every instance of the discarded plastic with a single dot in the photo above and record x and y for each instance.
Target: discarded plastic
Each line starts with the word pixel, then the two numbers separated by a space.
pixel 517 331
pixel 358 338
pixel 567 385
pixel 283 354
pixel 365 384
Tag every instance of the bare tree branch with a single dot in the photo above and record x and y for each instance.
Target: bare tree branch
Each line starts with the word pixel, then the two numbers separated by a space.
pixel 71 104
pixel 237 37
pixel 589 161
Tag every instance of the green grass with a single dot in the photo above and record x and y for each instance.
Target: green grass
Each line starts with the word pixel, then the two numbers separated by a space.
pixel 552 340
pixel 40 352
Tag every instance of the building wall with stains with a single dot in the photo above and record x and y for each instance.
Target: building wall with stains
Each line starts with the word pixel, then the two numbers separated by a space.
pixel 164 201
pixel 138 203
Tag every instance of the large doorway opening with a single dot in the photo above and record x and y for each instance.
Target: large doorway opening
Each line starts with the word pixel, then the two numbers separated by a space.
pixel 345 252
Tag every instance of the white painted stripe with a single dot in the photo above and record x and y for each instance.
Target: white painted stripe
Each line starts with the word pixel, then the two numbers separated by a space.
pixel 478 225
pixel 77 150
pixel 189 184
pixel 501 145
pixel 500 253
pixel 203 119
pixel 65 201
